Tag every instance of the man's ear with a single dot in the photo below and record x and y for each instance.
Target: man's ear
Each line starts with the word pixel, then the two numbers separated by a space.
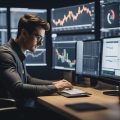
pixel 24 35
pixel 23 32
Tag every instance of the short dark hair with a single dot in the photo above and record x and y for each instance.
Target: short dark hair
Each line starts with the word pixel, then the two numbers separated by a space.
pixel 30 22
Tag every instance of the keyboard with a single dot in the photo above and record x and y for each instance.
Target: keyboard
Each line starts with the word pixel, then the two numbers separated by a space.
pixel 73 93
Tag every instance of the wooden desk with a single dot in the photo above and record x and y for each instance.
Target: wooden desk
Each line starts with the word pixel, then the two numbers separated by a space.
pixel 57 103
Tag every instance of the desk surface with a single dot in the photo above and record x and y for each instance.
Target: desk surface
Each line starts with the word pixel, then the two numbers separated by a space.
pixel 57 103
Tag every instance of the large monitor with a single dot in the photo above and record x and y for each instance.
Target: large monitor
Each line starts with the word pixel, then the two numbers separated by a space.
pixel 110 19
pixel 64 50
pixel 88 58
pixel 3 25
pixel 39 57
pixel 111 58
pixel 79 18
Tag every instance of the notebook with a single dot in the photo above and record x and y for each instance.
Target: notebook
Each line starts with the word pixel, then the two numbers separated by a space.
pixel 74 93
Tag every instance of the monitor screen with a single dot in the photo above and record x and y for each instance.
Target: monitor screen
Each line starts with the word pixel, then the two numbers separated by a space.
pixel 79 18
pixel 39 57
pixel 64 55
pixel 3 25
pixel 16 13
pixel 88 58
pixel 110 20
pixel 111 58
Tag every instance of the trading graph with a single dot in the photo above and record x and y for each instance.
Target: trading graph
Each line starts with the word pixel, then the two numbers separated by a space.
pixel 111 57
pixel 37 58
pixel 74 18
pixel 110 20
pixel 64 55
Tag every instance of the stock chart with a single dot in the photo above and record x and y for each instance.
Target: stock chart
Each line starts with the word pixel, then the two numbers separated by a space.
pixel 73 18
pixel 36 59
pixel 64 55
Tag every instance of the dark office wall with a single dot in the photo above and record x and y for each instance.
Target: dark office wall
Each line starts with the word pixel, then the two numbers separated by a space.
pixel 42 3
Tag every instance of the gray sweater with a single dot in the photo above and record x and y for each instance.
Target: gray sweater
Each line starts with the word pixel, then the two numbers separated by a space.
pixel 14 79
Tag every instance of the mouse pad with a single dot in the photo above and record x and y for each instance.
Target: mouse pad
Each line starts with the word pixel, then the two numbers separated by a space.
pixel 85 106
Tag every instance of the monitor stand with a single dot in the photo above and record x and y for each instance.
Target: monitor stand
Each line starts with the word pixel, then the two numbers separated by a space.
pixel 108 89
pixel 114 92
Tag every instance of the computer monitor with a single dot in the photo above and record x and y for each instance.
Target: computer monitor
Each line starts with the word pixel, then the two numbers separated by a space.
pixel 110 70
pixel 88 58
pixel 110 19
pixel 39 57
pixel 64 50
pixel 3 25
pixel 111 58
pixel 79 18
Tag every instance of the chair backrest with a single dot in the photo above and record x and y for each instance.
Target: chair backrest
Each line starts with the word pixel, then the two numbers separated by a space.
pixel 7 104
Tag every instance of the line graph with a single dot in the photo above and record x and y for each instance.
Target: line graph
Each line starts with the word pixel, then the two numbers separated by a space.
pixel 37 58
pixel 79 17
pixel 64 58
pixel 72 16
pixel 34 55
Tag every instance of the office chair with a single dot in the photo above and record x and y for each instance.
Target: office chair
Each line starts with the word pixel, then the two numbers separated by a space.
pixel 7 104
pixel 8 109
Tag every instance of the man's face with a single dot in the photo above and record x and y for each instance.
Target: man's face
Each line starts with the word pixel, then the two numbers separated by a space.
pixel 34 40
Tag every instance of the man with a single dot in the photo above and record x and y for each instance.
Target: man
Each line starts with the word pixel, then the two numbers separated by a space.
pixel 15 82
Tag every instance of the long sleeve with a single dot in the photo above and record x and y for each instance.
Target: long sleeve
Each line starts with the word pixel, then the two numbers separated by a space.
pixel 36 81
pixel 13 82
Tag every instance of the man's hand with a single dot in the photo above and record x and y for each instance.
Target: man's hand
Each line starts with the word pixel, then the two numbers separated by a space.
pixel 62 84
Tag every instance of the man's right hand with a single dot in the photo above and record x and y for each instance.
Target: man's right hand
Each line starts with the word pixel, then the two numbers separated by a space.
pixel 62 84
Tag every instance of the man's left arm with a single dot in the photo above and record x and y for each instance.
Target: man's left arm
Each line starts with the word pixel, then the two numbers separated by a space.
pixel 36 81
